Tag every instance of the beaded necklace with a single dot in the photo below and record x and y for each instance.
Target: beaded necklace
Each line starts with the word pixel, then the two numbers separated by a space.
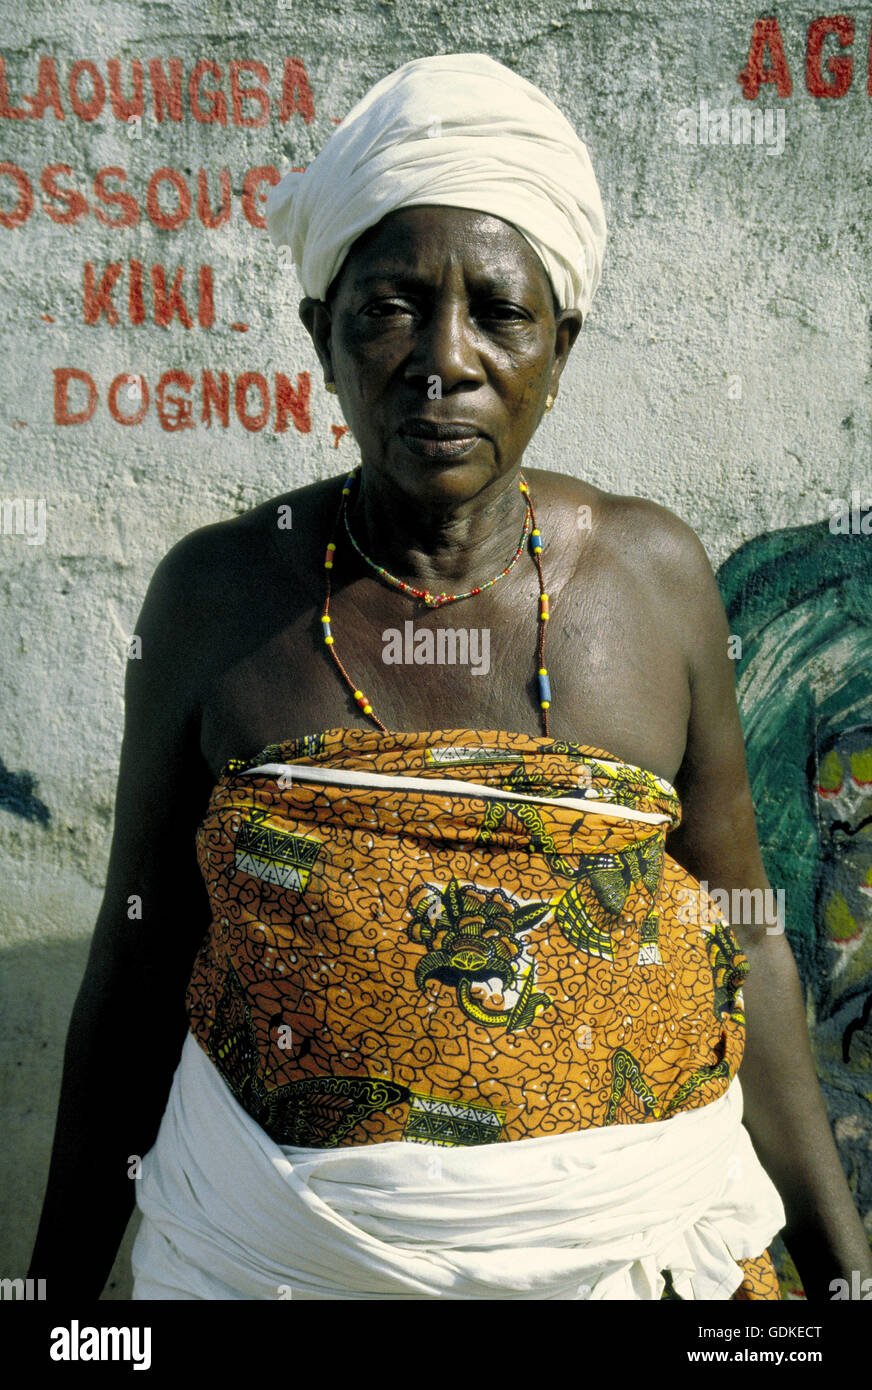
pixel 436 600
pixel 531 531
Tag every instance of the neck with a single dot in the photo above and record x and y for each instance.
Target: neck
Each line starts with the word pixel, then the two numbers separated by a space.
pixel 449 543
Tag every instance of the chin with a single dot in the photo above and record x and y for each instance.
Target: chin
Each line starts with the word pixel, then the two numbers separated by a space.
pixel 452 479
pixel 458 482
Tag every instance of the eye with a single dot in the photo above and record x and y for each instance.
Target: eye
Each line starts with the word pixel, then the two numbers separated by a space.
pixel 502 310
pixel 387 308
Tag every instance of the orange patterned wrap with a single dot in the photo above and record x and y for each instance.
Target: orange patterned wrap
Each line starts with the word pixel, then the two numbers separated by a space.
pixel 496 948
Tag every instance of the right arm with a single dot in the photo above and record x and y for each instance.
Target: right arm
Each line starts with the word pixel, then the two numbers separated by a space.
pixel 129 1021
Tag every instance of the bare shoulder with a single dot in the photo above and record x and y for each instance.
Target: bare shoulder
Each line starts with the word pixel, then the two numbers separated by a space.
pixel 634 527
pixel 659 537
pixel 214 593
pixel 225 551
pixel 644 554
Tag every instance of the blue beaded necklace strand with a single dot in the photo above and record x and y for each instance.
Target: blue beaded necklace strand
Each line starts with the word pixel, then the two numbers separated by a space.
pixel 531 532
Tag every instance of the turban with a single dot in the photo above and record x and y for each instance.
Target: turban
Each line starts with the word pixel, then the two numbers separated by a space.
pixel 459 130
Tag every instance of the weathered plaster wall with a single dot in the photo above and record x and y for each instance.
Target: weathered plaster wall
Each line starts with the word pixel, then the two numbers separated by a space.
pixel 724 370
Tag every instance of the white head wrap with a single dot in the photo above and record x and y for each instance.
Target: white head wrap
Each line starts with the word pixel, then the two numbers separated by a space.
pixel 460 130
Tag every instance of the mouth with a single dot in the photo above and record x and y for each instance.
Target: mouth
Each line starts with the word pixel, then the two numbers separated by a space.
pixel 439 439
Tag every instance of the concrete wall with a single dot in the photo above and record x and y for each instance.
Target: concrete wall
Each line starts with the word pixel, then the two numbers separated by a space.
pixel 724 369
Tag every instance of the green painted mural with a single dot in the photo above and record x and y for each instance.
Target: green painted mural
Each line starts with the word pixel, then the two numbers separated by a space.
pixel 800 600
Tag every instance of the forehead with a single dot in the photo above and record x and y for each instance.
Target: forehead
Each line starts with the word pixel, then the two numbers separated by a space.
pixel 421 239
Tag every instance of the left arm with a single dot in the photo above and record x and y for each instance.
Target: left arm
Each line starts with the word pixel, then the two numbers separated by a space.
pixel 784 1108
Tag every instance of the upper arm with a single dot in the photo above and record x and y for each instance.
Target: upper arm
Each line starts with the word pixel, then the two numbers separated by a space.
pixel 155 909
pixel 717 839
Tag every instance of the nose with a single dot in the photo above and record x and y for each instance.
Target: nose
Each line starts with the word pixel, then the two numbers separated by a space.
pixel 447 345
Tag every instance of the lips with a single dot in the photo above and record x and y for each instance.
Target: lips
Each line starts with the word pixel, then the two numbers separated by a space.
pixel 438 429
pixel 439 439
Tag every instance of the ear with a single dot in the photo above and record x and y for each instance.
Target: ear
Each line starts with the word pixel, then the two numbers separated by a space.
pixel 316 318
pixel 566 331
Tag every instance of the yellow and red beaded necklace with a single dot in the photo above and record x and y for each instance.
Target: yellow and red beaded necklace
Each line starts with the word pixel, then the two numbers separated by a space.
pixel 531 532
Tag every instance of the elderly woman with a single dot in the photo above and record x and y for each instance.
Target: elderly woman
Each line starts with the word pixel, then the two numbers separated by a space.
pixel 426 1015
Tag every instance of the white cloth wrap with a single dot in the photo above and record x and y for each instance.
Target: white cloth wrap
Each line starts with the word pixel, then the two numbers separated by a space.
pixel 458 130
pixel 597 1213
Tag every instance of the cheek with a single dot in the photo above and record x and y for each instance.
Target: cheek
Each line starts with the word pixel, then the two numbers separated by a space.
pixel 368 367
pixel 532 392
pixel 528 367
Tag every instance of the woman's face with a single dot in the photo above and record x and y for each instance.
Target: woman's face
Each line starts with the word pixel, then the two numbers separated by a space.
pixel 441 317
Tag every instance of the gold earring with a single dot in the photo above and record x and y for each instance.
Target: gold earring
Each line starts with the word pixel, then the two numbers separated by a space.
pixel 549 401
pixel 331 387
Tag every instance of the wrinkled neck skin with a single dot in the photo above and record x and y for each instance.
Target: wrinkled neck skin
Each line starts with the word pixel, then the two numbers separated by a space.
pixel 452 543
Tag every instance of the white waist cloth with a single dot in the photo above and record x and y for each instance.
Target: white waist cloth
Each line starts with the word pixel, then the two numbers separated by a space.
pixel 597 1213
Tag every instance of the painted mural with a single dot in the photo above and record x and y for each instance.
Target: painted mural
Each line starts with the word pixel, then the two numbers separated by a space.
pixel 800 600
